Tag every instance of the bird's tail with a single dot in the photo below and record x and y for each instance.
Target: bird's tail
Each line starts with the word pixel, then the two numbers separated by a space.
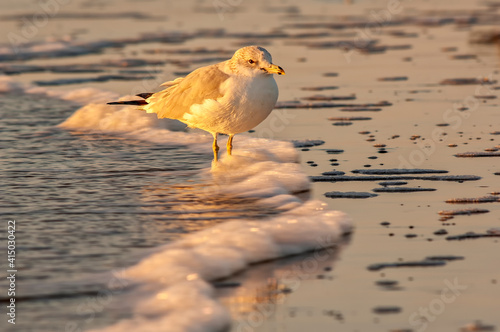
pixel 140 102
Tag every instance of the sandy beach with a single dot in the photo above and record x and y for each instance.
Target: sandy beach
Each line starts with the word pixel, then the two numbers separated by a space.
pixel 392 111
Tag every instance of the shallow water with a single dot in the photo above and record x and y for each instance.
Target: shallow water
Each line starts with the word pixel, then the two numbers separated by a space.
pixel 88 203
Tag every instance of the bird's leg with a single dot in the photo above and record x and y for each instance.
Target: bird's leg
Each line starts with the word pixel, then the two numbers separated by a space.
pixel 215 148
pixel 230 144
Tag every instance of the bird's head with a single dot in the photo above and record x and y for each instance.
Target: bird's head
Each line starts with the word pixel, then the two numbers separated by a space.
pixel 254 61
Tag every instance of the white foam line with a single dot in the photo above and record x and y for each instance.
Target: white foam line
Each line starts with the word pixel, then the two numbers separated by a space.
pixel 177 276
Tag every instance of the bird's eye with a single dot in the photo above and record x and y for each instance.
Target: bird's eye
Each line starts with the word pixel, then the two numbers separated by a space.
pixel 251 61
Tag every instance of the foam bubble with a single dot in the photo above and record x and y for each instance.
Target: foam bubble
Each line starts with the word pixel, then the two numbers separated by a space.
pixel 174 282
pixel 260 177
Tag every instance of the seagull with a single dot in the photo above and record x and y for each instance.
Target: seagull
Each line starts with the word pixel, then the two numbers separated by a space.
pixel 228 98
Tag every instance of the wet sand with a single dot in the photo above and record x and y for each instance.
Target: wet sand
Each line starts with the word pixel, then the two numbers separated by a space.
pixel 419 130
pixel 428 120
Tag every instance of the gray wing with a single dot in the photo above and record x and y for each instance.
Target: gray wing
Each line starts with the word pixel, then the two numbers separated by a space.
pixel 177 98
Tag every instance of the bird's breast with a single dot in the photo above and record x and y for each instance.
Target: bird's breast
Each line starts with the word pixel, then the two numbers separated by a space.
pixel 251 102
pixel 245 103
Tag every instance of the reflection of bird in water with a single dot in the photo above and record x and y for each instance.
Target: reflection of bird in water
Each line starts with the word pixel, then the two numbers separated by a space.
pixel 229 97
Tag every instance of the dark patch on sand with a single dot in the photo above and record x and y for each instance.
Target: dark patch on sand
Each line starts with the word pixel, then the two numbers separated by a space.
pixel 307 143
pixel 319 88
pixel 445 258
pixel 401 189
pixel 333 173
pixel 484 199
pixel 477 154
pixel 391 171
pixel 466 81
pixel 360 109
pixel 323 97
pixel 383 310
pixel 466 212
pixel 352 118
pixel 457 178
pixel 349 194
pixel 298 104
pixel 392 79
pixel 334 151
pixel 391 183
pixel 422 263
pixel 471 235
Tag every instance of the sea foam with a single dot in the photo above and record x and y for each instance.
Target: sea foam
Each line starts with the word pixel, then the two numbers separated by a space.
pixel 173 283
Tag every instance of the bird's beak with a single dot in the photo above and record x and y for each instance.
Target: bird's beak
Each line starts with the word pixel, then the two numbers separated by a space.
pixel 273 69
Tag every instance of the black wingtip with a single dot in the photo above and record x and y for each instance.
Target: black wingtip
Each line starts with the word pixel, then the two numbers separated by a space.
pixel 129 102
